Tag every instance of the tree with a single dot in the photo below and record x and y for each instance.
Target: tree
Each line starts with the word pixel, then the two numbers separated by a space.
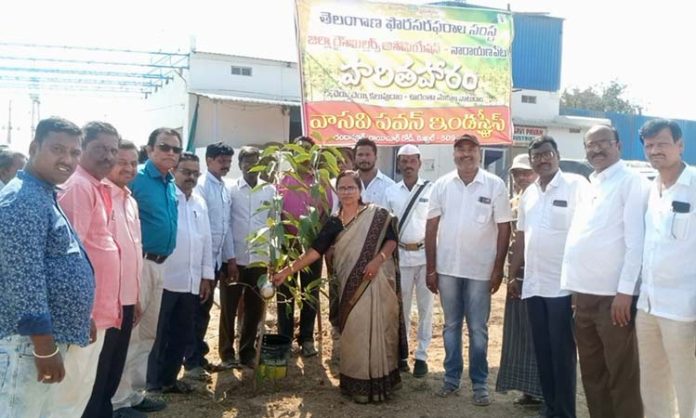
pixel 603 98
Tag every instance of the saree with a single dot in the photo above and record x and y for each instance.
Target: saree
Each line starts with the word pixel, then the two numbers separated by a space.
pixel 370 317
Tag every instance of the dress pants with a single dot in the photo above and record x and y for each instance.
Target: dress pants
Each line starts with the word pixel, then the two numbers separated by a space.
pixel 112 359
pixel 551 320
pixel 667 366
pixel 133 379
pixel 175 332
pixel 230 297
pixel 608 359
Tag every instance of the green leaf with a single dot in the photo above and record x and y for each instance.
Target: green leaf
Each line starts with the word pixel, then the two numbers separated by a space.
pixel 257 169
pixel 270 150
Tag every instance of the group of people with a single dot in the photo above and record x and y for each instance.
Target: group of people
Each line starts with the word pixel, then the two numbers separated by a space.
pixel 108 270
pixel 598 272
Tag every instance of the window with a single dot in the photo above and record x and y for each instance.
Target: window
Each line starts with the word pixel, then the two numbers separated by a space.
pixel 244 71
pixel 528 99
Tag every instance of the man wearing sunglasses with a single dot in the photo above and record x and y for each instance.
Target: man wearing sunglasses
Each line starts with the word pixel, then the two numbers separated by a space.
pixel 154 190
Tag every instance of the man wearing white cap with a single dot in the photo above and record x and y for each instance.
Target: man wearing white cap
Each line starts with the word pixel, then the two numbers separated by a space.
pixel 408 201
pixel 518 366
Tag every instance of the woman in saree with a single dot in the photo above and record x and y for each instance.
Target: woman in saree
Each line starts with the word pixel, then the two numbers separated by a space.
pixel 370 316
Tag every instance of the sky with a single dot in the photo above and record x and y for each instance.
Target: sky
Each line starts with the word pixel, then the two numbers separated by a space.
pixel 644 45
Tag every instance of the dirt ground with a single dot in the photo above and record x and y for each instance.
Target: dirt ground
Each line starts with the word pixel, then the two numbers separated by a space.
pixel 311 388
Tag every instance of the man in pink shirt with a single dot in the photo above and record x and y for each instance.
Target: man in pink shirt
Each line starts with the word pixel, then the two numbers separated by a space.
pixel 125 228
pixel 297 203
pixel 86 201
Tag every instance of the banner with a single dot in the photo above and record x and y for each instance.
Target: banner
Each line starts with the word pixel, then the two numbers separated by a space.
pixel 403 73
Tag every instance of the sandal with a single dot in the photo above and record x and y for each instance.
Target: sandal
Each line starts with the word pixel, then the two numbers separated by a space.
pixel 308 349
pixel 178 387
pixel 481 398
pixel 447 390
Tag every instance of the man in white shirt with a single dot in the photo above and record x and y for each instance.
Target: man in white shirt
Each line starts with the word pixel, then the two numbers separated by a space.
pixel 213 189
pixel 545 212
pixel 408 201
pixel 374 182
pixel 247 218
pixel 10 163
pixel 188 277
pixel 666 322
pixel 466 241
pixel 601 265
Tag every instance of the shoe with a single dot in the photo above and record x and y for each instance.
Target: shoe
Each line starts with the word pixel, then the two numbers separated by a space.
pixel 308 349
pixel 420 368
pixel 360 399
pixel 128 413
pixel 481 398
pixel 198 373
pixel 178 387
pixel 403 366
pixel 447 390
pixel 249 363
pixel 150 404
pixel 527 400
pixel 232 363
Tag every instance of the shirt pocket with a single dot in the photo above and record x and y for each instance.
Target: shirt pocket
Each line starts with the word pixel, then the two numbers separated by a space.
pixel 483 212
pixel 680 225
pixel 560 215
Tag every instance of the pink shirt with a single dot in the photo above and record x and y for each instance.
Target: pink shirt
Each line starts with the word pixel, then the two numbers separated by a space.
pixel 87 203
pixel 297 202
pixel 125 227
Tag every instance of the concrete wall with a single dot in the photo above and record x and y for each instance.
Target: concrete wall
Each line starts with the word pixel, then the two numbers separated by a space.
pixel 269 79
pixel 238 123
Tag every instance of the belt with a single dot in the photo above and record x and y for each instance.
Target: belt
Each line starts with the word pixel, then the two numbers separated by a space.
pixel 412 247
pixel 159 259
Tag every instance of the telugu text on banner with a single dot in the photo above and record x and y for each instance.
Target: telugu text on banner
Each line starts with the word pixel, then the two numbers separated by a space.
pixel 402 73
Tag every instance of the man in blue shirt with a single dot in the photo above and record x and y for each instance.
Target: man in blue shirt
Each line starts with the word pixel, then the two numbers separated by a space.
pixel 154 190
pixel 46 280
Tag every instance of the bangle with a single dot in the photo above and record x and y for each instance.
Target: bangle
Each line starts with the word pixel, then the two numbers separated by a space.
pixel 384 257
pixel 432 273
pixel 45 357
pixel 518 279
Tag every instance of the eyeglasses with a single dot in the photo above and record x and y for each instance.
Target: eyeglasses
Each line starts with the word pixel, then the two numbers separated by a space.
pixel 189 173
pixel 601 144
pixel 347 189
pixel 547 155
pixel 167 148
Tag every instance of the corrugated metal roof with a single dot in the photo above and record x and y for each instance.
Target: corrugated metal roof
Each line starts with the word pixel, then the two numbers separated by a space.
pixel 246 99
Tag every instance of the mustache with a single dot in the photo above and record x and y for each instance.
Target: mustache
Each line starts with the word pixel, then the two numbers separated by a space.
pixel 597 154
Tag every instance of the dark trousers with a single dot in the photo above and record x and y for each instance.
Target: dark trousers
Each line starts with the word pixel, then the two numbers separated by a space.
pixel 308 314
pixel 175 332
pixel 196 352
pixel 230 297
pixel 551 320
pixel 112 359
pixel 608 359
